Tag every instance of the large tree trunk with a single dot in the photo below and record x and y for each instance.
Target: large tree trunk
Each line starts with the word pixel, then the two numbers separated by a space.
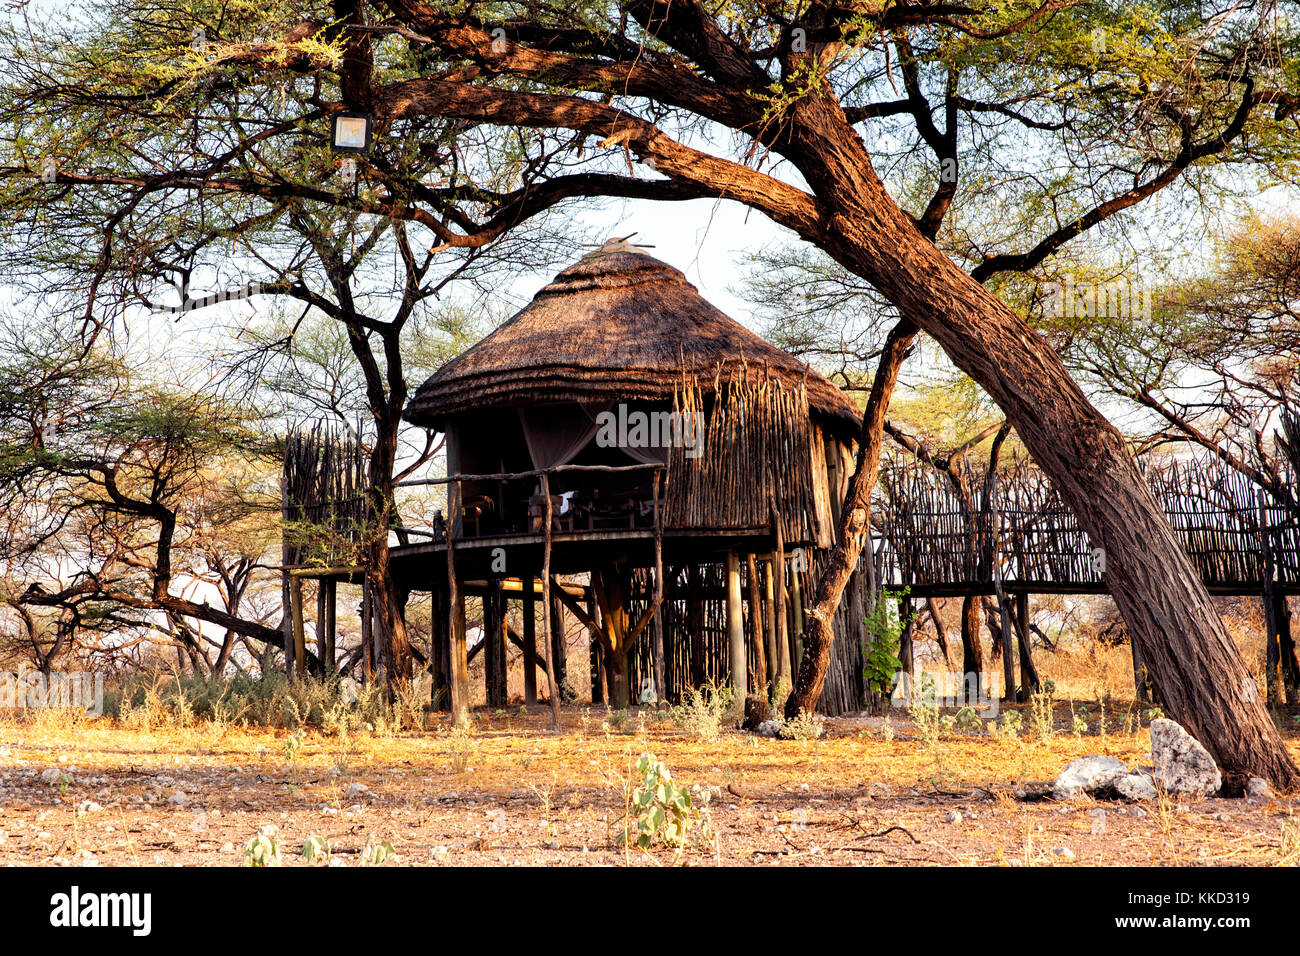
pixel 972 654
pixel 1192 660
pixel 395 660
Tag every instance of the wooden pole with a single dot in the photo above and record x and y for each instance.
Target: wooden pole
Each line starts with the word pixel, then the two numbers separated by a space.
pixel 330 653
pixel 559 648
pixel 695 625
pixel 494 644
pixel 661 688
pixel 758 677
pixel 367 648
pixel 906 650
pixel 530 642
pixel 782 636
pixel 1029 681
pixel 769 626
pixel 551 685
pixel 796 597
pixel 597 665
pixel 299 630
pixel 440 665
pixel 459 677
pixel 735 627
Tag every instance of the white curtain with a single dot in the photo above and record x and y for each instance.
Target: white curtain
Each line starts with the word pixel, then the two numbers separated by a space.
pixel 555 433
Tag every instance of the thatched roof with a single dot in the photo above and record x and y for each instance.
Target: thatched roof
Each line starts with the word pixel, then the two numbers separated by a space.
pixel 617 325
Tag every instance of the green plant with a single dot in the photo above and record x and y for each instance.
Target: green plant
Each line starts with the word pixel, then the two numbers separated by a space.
pixel 806 726
pixel 316 850
pixel 263 849
pixel 883 632
pixel 663 812
pixel 1079 721
pixel 966 721
pixel 1041 711
pixel 1007 727
pixel 1152 713
pixel 375 854
pixel 703 711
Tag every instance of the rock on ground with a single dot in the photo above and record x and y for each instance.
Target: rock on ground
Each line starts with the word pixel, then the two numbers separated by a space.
pixel 1087 775
pixel 1182 764
pixel 1136 786
pixel 1257 787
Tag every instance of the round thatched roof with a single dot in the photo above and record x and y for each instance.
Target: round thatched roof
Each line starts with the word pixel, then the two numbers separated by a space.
pixel 617 325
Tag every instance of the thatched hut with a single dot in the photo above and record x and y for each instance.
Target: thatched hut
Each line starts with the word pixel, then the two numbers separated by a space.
pixel 663 433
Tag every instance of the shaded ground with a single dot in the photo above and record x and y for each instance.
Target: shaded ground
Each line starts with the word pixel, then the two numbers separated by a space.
pixel 512 792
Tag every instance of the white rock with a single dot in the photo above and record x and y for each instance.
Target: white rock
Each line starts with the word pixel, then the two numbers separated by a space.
pixel 1098 822
pixel 178 799
pixel 52 775
pixel 357 790
pixel 953 817
pixel 769 728
pixel 1258 787
pixel 1063 853
pixel 1136 786
pixel 1087 775
pixel 1182 764
pixel 88 806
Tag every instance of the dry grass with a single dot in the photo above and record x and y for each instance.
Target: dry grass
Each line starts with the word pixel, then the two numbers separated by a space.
pixel 510 791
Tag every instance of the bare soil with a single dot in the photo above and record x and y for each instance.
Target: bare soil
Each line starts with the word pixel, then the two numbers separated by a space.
pixel 514 792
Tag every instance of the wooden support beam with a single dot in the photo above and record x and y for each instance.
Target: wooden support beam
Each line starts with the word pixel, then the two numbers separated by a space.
pixel 552 687
pixel 299 630
pixel 440 665
pixel 773 653
pixel 784 682
pixel 494 645
pixel 735 628
pixel 459 677
pixel 758 681
pixel 657 637
pixel 530 646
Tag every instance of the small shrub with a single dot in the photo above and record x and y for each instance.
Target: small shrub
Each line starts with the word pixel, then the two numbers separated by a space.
pixel 1041 713
pixel 461 748
pixel 664 812
pixel 704 711
pixel 806 726
pixel 263 849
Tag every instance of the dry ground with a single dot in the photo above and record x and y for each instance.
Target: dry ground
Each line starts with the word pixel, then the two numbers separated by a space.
pixel 513 792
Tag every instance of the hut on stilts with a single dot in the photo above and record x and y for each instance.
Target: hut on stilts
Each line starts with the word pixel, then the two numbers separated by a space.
pixel 623 452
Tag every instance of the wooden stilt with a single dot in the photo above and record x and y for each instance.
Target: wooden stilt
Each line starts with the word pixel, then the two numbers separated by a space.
pixel 1029 681
pixel 459 676
pixel 783 672
pixel 552 687
pixel 440 664
pixel 906 651
pixel 695 625
pixel 597 667
pixel 559 646
pixel 657 624
pixel 367 646
pixel 796 599
pixel 735 628
pixel 494 644
pixel 329 654
pixel 530 640
pixel 758 673
pixel 769 626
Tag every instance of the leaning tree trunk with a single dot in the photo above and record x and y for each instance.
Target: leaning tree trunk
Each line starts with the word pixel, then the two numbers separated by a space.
pixel 1191 659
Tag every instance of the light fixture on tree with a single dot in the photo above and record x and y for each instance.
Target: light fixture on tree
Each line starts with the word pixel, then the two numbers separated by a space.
pixel 350 132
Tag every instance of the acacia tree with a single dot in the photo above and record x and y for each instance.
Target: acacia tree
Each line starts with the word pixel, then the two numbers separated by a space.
pixel 1139 99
